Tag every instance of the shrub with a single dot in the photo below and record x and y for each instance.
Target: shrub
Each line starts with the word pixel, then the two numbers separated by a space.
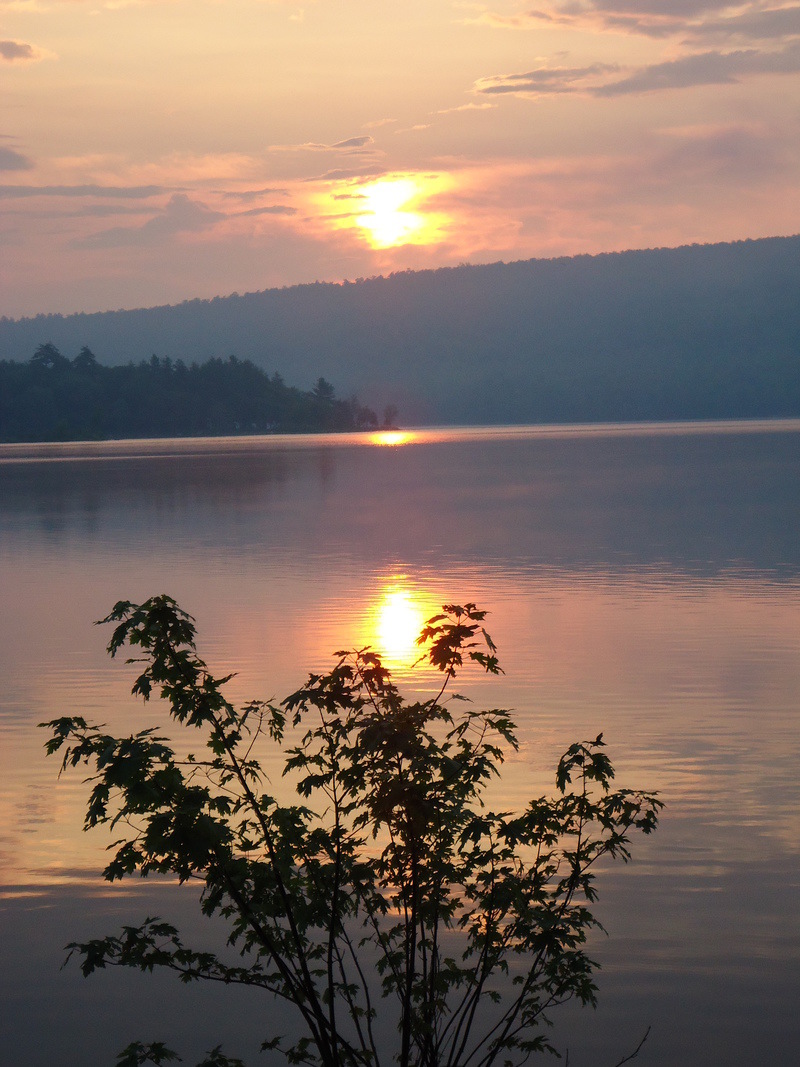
pixel 388 885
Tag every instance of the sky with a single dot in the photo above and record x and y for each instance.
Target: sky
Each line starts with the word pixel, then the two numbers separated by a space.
pixel 153 151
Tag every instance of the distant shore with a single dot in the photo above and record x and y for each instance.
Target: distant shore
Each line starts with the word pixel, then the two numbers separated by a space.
pixel 54 398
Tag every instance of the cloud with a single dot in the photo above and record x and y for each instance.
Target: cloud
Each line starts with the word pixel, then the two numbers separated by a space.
pixel 345 173
pixel 471 106
pixel 602 80
pixel 335 215
pixel 10 159
pixel 18 52
pixel 729 158
pixel 706 68
pixel 86 211
pixel 246 195
pixel 738 155
pixel 350 144
pixel 102 211
pixel 181 215
pixel 124 192
pixel 546 80
pixel 270 209
pixel 755 25
pixel 701 182
pixel 655 18
pixel 690 20
pixel 353 142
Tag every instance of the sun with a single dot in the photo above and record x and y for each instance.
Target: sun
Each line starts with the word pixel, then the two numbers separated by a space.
pixel 386 218
pixel 390 212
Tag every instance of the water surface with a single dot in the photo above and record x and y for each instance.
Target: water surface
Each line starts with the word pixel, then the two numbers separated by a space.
pixel 643 582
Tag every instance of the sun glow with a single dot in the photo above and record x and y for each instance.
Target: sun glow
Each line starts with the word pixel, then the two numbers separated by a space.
pixel 392 438
pixel 392 211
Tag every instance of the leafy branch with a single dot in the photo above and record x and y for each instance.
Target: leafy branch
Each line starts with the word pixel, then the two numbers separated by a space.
pixel 389 886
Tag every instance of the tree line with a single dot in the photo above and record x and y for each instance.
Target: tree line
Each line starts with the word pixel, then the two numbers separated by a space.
pixel 54 398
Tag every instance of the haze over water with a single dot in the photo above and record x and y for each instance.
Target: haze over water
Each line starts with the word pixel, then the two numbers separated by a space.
pixel 643 582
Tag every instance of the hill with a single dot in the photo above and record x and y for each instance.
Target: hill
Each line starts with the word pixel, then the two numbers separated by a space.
pixel 702 331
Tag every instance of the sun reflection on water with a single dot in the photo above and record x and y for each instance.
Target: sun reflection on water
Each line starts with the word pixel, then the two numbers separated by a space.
pixel 397 621
pixel 392 437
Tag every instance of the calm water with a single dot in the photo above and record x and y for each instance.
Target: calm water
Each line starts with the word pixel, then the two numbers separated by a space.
pixel 643 582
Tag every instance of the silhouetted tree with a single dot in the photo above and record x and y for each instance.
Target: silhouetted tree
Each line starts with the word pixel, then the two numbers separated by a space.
pixel 390 414
pixel 85 360
pixel 323 390
pixel 387 883
pixel 49 357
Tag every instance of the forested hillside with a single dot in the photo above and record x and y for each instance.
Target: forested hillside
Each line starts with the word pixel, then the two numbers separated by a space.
pixel 53 398
pixel 706 331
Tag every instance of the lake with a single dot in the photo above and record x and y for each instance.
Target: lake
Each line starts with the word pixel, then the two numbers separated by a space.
pixel 643 581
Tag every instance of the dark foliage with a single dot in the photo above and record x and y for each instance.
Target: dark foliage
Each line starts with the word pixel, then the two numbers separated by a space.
pixel 389 888
pixel 52 398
